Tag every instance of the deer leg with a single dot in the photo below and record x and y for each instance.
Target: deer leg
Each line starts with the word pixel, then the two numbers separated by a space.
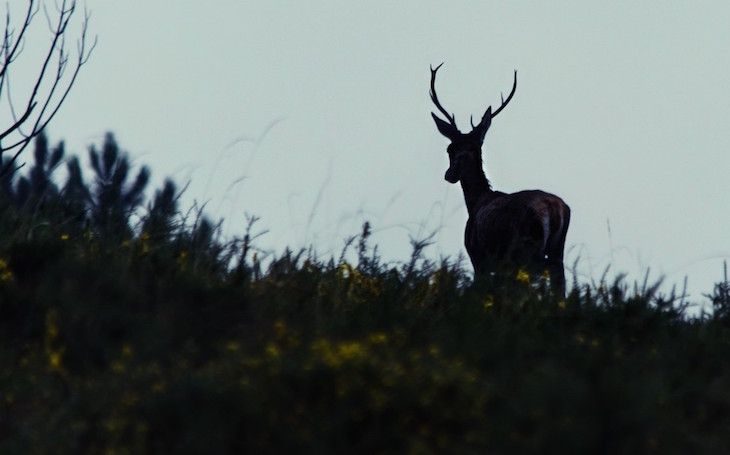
pixel 557 278
pixel 555 251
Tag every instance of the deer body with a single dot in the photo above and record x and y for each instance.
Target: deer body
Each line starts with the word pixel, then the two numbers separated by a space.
pixel 527 228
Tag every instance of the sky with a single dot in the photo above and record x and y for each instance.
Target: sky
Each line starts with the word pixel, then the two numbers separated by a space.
pixel 315 117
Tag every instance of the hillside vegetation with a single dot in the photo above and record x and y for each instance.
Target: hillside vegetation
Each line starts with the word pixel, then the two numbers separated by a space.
pixel 129 326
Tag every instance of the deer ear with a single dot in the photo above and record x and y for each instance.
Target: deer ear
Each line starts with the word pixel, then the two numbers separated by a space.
pixel 445 128
pixel 483 126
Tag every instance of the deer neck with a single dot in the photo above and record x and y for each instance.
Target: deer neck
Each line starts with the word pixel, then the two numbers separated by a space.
pixel 476 188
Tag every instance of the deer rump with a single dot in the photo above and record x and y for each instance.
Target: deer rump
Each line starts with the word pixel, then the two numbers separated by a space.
pixel 526 228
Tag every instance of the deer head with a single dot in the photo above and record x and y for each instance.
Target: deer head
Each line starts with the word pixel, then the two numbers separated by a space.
pixel 465 150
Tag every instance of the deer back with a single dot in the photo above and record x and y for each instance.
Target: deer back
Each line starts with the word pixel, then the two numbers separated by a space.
pixel 515 227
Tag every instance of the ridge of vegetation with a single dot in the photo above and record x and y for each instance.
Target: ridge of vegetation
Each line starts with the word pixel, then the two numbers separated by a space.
pixel 155 336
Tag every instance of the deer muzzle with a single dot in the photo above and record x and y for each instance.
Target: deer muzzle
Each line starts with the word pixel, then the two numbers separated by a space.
pixel 451 175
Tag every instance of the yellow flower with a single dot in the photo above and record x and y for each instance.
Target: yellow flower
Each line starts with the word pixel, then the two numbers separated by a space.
pixel 345 270
pixel 272 351
pixel 54 360
pixel 342 352
pixel 350 350
pixel 489 302
pixel 144 241
pixel 5 272
pixel 562 304
pixel 51 326
pixel 182 260
pixel 378 338
pixel 523 276
pixel 51 331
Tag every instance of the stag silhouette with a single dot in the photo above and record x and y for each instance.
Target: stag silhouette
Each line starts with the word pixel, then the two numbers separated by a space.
pixel 523 229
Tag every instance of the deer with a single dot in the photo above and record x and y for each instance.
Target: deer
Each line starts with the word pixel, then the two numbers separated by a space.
pixel 523 229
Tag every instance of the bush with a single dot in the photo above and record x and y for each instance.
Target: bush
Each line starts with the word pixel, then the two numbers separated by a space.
pixel 160 338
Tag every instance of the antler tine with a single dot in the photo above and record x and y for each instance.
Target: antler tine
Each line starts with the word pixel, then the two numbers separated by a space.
pixel 435 99
pixel 511 94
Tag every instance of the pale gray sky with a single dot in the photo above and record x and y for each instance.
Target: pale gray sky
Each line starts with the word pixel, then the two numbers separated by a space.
pixel 622 109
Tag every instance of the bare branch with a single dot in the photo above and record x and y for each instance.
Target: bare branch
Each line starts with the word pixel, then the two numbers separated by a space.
pixel 11 48
pixel 17 124
pixel 51 86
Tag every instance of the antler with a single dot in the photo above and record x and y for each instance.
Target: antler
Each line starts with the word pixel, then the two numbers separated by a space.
pixel 504 103
pixel 435 99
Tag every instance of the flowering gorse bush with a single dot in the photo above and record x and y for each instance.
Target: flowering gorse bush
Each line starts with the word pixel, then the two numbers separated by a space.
pixel 158 337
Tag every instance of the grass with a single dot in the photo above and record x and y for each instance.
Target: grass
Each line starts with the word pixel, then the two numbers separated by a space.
pixel 159 338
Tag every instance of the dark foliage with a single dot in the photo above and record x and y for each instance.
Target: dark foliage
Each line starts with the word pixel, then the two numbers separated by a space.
pixel 113 199
pixel 161 338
